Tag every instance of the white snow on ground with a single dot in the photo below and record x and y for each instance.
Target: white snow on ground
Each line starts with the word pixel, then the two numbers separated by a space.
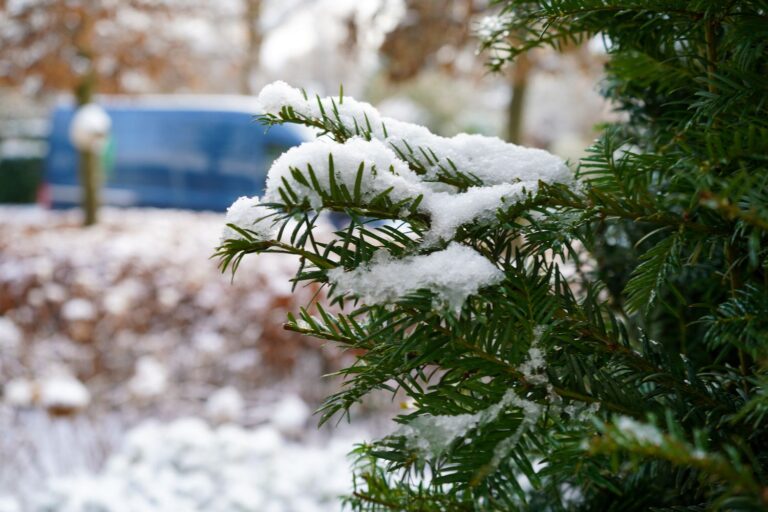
pixel 225 405
pixel 150 379
pixel 290 414
pixel 104 328
pixel 188 466
pixel 10 335
pixel 63 393
pixel 78 309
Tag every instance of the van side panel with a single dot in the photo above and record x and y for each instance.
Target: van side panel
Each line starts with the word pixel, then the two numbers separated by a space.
pixel 190 159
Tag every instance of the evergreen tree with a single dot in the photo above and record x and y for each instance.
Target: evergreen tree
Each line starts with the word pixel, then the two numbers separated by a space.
pixel 637 384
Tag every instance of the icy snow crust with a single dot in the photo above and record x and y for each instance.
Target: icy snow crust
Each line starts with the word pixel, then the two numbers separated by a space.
pixel 453 274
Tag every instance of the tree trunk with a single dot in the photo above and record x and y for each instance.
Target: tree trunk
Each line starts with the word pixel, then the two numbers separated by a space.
pixel 519 81
pixel 252 46
pixel 88 161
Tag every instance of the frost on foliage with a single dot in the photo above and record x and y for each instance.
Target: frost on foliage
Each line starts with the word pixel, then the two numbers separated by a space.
pixel 431 435
pixel 188 466
pixel 505 171
pixel 535 365
pixel 247 214
pixel 452 274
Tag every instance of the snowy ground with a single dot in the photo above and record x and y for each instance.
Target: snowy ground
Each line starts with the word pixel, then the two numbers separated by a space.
pixel 136 377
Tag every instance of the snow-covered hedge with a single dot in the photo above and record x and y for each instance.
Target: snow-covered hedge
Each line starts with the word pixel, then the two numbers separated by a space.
pixel 188 466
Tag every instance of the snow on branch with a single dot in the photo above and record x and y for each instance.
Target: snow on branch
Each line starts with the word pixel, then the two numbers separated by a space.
pixel 452 274
pixel 395 170
pixel 489 159
pixel 365 168
pixel 249 215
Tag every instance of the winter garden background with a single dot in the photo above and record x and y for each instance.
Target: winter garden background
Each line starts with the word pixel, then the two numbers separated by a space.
pixel 517 261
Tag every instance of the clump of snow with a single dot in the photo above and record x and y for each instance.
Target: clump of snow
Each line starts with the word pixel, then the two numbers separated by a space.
pixel 19 392
pixel 247 214
pixel 225 405
pixel 188 466
pixel 150 378
pixel 452 275
pixel 90 127
pixel 78 309
pixel 382 170
pixel 63 393
pixel 119 299
pixel 290 414
pixel 10 335
pixel 209 342
pixel 644 433
pixel 450 211
pixel 433 435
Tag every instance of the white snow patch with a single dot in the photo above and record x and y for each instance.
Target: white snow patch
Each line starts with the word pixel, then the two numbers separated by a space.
pixel 451 211
pixel 225 405
pixel 90 127
pixel 642 432
pixel 19 392
pixel 188 466
pixel 247 214
pixel 150 378
pixel 9 504
pixel 382 170
pixel 63 392
pixel 432 435
pixel 10 335
pixel 78 310
pixel 290 414
pixel 452 274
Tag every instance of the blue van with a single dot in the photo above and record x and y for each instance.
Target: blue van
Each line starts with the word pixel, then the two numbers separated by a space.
pixel 198 153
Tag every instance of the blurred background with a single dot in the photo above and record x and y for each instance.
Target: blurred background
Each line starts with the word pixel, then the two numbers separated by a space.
pixel 133 375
